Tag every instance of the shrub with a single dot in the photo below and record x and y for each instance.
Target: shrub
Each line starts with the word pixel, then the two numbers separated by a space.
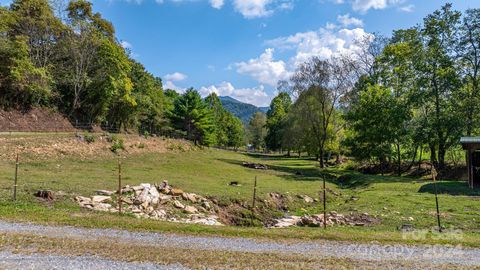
pixel 89 138
pixel 117 143
pixel 112 138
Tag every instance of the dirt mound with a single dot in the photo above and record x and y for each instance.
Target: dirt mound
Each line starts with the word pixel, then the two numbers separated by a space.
pixel 34 120
pixel 53 146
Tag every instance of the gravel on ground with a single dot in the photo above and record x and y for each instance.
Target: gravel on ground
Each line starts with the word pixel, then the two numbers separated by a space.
pixel 436 254
pixel 14 261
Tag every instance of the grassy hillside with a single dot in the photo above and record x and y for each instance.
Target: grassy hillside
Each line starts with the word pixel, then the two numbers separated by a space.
pixel 394 200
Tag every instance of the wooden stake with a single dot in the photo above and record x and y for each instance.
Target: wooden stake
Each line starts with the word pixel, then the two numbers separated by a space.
pixel 254 198
pixel 324 203
pixel 119 186
pixel 15 180
pixel 434 177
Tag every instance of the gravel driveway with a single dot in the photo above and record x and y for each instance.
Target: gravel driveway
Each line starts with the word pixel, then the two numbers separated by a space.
pixel 372 252
pixel 12 261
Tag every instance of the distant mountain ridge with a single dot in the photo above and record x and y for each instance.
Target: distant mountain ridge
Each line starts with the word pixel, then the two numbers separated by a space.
pixel 242 110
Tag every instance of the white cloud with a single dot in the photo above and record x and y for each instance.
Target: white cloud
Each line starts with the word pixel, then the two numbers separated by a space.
pixel 408 8
pixel 256 95
pixel 253 8
pixel 330 26
pixel 260 8
pixel 176 76
pixel 218 4
pixel 346 20
pixel 125 45
pixel 264 69
pixel 171 85
pixel 323 43
pixel 365 5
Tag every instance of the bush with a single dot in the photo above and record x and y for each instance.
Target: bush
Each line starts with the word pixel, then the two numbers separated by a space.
pixel 112 138
pixel 117 143
pixel 89 138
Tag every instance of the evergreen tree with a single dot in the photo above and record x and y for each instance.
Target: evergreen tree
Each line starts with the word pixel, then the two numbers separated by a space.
pixel 192 115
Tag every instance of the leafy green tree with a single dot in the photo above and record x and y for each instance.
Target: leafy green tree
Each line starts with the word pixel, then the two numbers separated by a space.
pixel 320 86
pixel 257 130
pixel 235 131
pixel 35 20
pixel 192 115
pixel 109 97
pixel 147 91
pixel 22 84
pixel 377 125
pixel 468 48
pixel 440 82
pixel 276 120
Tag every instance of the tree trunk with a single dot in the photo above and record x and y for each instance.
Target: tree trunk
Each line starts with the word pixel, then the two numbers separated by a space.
pixel 420 159
pixel 322 162
pixel 433 155
pixel 441 156
pixel 413 159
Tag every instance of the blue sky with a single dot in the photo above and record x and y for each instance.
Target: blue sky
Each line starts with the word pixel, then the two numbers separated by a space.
pixel 242 48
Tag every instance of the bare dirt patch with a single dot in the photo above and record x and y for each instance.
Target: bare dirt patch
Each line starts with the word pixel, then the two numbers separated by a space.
pixel 34 120
pixel 51 146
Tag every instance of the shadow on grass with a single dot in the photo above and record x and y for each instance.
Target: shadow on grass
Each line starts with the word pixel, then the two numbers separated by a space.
pixel 307 169
pixel 454 188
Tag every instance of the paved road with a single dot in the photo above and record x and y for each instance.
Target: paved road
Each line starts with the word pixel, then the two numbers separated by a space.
pixel 372 252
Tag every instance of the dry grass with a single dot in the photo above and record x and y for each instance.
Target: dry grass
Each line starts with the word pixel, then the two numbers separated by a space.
pixel 67 145
pixel 195 259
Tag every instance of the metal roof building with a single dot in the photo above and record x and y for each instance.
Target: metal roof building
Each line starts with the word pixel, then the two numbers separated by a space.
pixel 472 146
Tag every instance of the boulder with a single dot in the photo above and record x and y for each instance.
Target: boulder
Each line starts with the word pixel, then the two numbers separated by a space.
pixel 45 194
pixel 83 200
pixel 127 200
pixel 310 222
pixel 143 197
pixel 154 192
pixel 189 197
pixel 306 198
pixel 190 209
pixel 206 205
pixel 146 186
pixel 137 188
pixel 101 199
pixel 104 192
pixel 178 204
pixel 165 198
pixel 102 207
pixel 176 192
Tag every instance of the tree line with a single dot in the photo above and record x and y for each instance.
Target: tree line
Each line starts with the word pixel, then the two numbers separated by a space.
pixel 391 100
pixel 65 56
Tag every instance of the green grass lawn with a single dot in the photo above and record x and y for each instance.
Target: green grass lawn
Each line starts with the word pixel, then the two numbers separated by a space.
pixel 208 172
